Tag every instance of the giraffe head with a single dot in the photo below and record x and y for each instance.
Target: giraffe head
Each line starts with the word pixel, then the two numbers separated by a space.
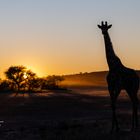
pixel 104 27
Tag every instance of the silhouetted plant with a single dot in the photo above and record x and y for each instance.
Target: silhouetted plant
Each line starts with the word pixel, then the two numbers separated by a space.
pixel 43 83
pixel 16 74
pixel 52 82
pixel 21 79
pixel 6 85
pixel 31 80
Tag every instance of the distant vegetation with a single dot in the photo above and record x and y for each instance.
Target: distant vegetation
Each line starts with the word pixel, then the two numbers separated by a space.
pixel 20 79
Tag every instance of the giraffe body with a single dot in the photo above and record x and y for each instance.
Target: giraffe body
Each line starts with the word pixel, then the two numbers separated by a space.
pixel 119 77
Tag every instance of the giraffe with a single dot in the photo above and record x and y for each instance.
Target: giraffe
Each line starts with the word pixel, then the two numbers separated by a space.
pixel 119 77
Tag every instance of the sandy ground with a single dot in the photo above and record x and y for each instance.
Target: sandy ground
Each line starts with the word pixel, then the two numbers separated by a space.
pixel 76 114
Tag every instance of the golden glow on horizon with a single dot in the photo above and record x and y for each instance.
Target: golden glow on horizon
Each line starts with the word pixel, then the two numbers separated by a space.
pixel 25 75
pixel 66 56
pixel 59 38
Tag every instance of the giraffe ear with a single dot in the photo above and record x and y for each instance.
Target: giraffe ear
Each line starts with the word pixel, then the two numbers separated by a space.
pixel 109 26
pixel 99 26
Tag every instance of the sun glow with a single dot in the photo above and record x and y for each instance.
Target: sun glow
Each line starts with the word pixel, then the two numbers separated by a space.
pixel 35 69
pixel 25 75
pixel 56 38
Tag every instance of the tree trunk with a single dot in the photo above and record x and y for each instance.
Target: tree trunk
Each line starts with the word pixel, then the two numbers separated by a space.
pixel 18 87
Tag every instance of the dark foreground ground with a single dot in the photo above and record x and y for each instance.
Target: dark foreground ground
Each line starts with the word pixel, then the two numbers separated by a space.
pixel 79 114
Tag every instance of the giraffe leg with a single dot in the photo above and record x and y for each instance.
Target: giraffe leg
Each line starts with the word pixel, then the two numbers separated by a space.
pixel 114 96
pixel 135 115
pixel 134 100
pixel 114 117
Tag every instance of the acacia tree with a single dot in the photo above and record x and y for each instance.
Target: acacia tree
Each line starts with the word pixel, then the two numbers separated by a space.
pixel 16 75
pixel 32 81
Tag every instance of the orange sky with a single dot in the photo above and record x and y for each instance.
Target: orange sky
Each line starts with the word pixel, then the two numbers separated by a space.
pixel 62 37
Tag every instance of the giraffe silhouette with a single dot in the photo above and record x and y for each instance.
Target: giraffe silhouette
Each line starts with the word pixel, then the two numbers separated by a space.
pixel 119 77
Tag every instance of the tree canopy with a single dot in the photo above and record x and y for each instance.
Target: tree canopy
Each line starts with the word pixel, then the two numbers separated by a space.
pixel 16 75
pixel 19 78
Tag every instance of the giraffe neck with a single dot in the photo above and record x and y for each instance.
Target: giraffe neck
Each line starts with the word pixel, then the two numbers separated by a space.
pixel 112 59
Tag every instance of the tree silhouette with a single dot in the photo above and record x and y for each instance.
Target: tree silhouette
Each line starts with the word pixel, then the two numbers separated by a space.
pixel 16 74
pixel 32 81
pixel 52 82
pixel 21 79
pixel 6 85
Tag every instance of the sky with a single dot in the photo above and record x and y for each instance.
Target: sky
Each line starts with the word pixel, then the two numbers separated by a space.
pixel 61 36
